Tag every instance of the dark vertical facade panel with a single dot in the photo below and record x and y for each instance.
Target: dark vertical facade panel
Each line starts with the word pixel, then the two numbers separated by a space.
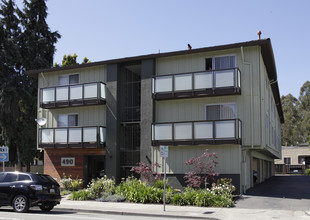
pixel 112 156
pixel 147 71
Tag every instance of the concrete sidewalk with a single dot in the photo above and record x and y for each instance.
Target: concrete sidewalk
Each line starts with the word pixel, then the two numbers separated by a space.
pixel 190 212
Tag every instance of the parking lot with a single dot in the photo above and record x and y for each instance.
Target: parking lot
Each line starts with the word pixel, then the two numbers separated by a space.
pixel 287 192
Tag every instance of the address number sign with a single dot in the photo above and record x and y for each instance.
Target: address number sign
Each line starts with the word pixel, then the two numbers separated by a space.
pixel 68 161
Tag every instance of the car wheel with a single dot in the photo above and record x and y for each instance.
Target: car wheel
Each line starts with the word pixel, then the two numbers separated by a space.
pixel 20 203
pixel 46 208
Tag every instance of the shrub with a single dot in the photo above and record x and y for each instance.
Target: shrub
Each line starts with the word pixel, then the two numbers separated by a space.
pixel 203 173
pixel 146 172
pixel 223 186
pixel 220 195
pixel 160 184
pixel 107 197
pixel 65 192
pixel 135 190
pixel 76 184
pixel 79 195
pixel 187 197
pixel 65 182
pixel 307 171
pixel 99 185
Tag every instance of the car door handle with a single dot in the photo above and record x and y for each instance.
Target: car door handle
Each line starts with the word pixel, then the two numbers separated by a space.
pixel 12 186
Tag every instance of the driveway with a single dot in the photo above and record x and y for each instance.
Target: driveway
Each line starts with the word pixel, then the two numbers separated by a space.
pixel 279 192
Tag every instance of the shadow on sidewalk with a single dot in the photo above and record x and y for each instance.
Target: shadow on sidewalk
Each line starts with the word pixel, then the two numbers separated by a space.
pixel 293 187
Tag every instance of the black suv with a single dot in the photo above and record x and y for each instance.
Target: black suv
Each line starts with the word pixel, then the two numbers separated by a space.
pixel 24 190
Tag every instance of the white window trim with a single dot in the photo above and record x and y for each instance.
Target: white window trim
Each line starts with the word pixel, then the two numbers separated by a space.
pixel 68 75
pixel 230 103
pixel 67 118
pixel 213 57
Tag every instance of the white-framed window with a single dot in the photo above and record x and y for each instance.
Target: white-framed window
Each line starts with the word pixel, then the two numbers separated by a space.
pixel 67 120
pixel 221 62
pixel 68 79
pixel 221 111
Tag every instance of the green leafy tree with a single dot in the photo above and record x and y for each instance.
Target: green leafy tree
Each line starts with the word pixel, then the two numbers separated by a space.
pixel 290 129
pixel 304 111
pixel 69 60
pixel 26 43
pixel 10 65
pixel 85 60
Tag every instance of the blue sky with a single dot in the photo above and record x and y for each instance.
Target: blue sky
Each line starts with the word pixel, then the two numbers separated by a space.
pixel 105 29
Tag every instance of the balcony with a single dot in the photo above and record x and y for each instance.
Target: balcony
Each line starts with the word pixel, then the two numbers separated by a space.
pixel 197 132
pixel 198 84
pixel 78 137
pixel 73 95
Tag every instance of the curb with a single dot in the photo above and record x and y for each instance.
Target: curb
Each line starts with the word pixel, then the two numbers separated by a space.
pixel 131 213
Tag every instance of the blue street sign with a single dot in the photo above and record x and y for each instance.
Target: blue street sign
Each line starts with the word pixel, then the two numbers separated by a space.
pixel 4 154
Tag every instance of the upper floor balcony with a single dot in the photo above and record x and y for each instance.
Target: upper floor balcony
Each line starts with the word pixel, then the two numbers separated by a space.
pixel 73 95
pixel 79 137
pixel 197 132
pixel 197 84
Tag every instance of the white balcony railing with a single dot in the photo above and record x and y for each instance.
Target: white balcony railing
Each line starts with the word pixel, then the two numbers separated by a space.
pixel 70 94
pixel 72 136
pixel 219 131
pixel 215 79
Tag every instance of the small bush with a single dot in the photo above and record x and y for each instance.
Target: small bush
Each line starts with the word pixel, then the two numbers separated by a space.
pixel 65 192
pixel 98 186
pixel 65 182
pixel 160 184
pixel 135 190
pixel 76 184
pixel 307 171
pixel 79 195
pixel 106 197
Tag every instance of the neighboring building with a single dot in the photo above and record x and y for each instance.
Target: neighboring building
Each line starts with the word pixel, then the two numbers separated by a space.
pixel 295 159
pixel 112 114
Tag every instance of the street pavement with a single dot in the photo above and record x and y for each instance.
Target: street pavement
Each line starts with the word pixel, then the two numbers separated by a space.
pixel 280 197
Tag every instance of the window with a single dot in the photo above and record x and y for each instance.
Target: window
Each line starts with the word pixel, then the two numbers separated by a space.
pixel 10 177
pixel 222 111
pixel 68 79
pixel 65 120
pixel 224 62
pixel 302 159
pixel 287 160
pixel 23 177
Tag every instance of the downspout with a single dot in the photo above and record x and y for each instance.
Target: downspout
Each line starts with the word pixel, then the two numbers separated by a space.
pixel 251 115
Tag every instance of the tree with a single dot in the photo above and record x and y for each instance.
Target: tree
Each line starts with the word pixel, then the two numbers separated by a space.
pixel 203 173
pixel 10 64
pixel 26 43
pixel 69 60
pixel 147 172
pixel 290 129
pixel 304 111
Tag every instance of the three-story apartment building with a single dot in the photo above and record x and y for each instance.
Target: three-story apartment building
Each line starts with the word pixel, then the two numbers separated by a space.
pixel 112 114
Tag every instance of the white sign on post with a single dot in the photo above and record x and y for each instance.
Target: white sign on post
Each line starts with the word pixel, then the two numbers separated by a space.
pixel 163 151
pixel 164 154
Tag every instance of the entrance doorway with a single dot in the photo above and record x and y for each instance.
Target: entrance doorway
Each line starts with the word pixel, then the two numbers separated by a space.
pixel 93 168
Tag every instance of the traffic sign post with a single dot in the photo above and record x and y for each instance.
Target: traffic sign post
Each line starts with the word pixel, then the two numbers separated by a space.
pixel 4 155
pixel 164 154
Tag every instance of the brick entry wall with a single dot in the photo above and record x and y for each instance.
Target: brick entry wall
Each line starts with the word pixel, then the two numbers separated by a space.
pixel 52 161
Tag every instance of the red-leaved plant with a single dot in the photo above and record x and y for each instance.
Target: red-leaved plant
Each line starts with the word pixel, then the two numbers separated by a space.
pixel 203 172
pixel 146 172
